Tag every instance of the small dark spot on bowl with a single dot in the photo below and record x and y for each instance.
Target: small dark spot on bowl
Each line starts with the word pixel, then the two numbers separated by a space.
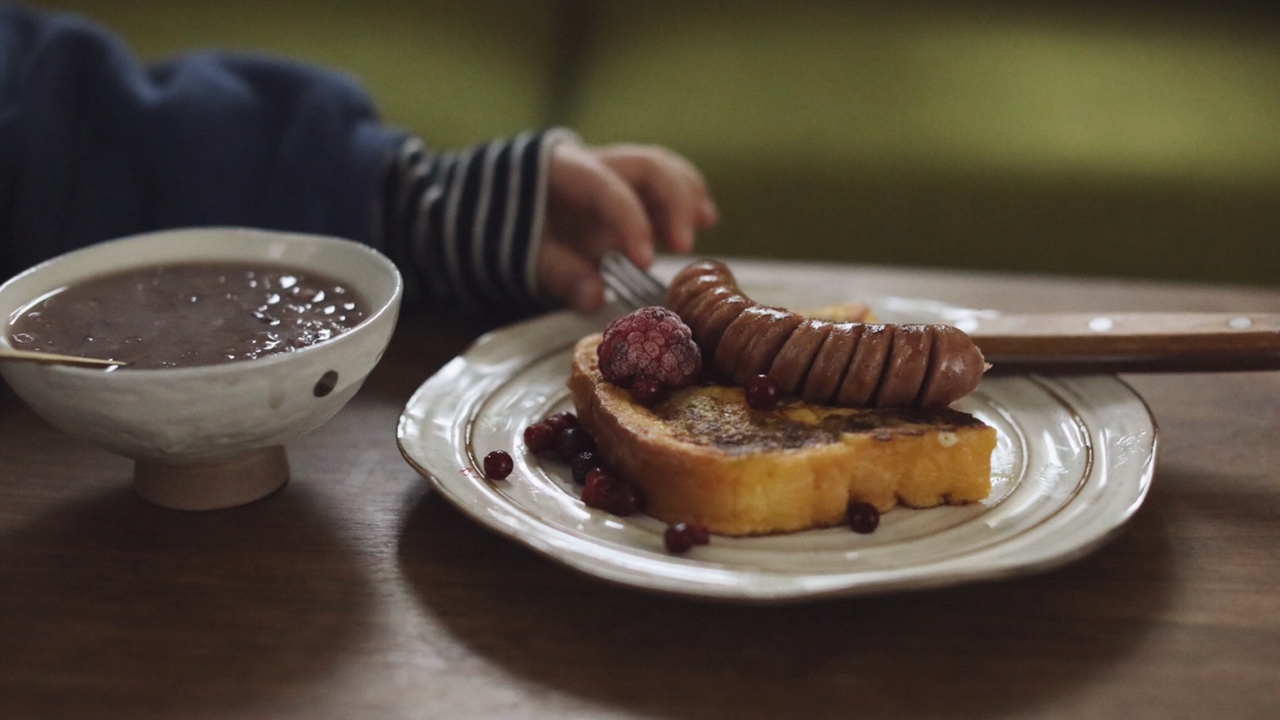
pixel 326 383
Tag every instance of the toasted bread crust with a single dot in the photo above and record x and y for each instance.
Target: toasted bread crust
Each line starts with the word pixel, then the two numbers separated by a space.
pixel 703 456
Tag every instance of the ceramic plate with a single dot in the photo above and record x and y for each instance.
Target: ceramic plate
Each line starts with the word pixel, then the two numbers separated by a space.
pixel 1073 462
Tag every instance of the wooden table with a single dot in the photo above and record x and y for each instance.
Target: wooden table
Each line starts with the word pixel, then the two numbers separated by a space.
pixel 356 592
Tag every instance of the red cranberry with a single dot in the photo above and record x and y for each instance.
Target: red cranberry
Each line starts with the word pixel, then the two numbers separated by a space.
pixel 762 392
pixel 582 463
pixel 863 517
pixel 562 421
pixel 646 390
pixel 604 491
pixel 574 440
pixel 540 437
pixel 680 537
pixel 498 465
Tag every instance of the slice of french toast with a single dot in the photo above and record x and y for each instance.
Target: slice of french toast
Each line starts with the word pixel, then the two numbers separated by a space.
pixel 702 455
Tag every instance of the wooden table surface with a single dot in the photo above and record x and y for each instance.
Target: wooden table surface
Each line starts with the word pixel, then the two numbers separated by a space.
pixel 357 592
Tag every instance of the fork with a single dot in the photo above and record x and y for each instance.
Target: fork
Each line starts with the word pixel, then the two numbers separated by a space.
pixel 633 286
pixel 1068 342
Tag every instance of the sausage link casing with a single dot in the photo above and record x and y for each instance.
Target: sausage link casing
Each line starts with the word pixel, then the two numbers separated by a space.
pixel 850 364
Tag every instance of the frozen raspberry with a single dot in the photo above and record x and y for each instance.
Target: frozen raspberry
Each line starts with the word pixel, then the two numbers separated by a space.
pixel 650 341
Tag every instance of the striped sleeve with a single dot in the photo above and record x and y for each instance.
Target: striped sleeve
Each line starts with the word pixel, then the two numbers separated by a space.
pixel 465 226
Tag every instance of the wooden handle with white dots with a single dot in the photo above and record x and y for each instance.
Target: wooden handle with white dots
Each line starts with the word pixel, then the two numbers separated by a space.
pixel 1128 342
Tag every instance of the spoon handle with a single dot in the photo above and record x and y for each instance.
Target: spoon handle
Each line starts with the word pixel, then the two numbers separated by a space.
pixel 55 358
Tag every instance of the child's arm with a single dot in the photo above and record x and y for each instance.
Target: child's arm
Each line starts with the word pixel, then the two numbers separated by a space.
pixel 95 145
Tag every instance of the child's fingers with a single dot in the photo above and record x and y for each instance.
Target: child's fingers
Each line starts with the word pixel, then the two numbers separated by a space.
pixel 580 182
pixel 708 213
pixel 673 190
pixel 569 278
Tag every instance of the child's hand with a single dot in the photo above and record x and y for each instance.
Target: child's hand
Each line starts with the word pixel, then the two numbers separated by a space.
pixel 624 197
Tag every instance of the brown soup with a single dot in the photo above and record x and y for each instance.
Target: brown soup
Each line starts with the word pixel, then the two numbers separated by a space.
pixel 188 314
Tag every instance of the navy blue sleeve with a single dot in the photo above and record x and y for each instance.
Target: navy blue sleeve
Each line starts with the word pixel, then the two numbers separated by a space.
pixel 95 145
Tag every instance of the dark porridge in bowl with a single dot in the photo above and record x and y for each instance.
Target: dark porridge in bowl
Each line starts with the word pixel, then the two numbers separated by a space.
pixel 189 314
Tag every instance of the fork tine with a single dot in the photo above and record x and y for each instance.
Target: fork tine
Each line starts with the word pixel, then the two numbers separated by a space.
pixel 632 285
pixel 644 284
pixel 624 292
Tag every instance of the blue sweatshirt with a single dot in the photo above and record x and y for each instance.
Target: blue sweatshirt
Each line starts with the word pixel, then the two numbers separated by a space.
pixel 95 145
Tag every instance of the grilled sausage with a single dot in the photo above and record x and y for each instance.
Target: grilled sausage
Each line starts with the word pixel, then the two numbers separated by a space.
pixel 846 363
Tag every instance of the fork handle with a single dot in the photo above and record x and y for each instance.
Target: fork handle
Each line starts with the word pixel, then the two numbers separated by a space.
pixel 1129 342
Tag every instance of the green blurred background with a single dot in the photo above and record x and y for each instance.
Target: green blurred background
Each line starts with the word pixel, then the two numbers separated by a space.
pixel 1133 139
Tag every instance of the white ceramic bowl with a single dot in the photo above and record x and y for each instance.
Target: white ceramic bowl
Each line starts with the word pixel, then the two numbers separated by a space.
pixel 209 436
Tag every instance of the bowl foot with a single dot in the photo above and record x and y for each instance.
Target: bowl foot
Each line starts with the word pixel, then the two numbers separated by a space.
pixel 214 485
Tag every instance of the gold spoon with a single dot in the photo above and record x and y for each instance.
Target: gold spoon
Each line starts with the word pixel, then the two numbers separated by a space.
pixel 44 357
